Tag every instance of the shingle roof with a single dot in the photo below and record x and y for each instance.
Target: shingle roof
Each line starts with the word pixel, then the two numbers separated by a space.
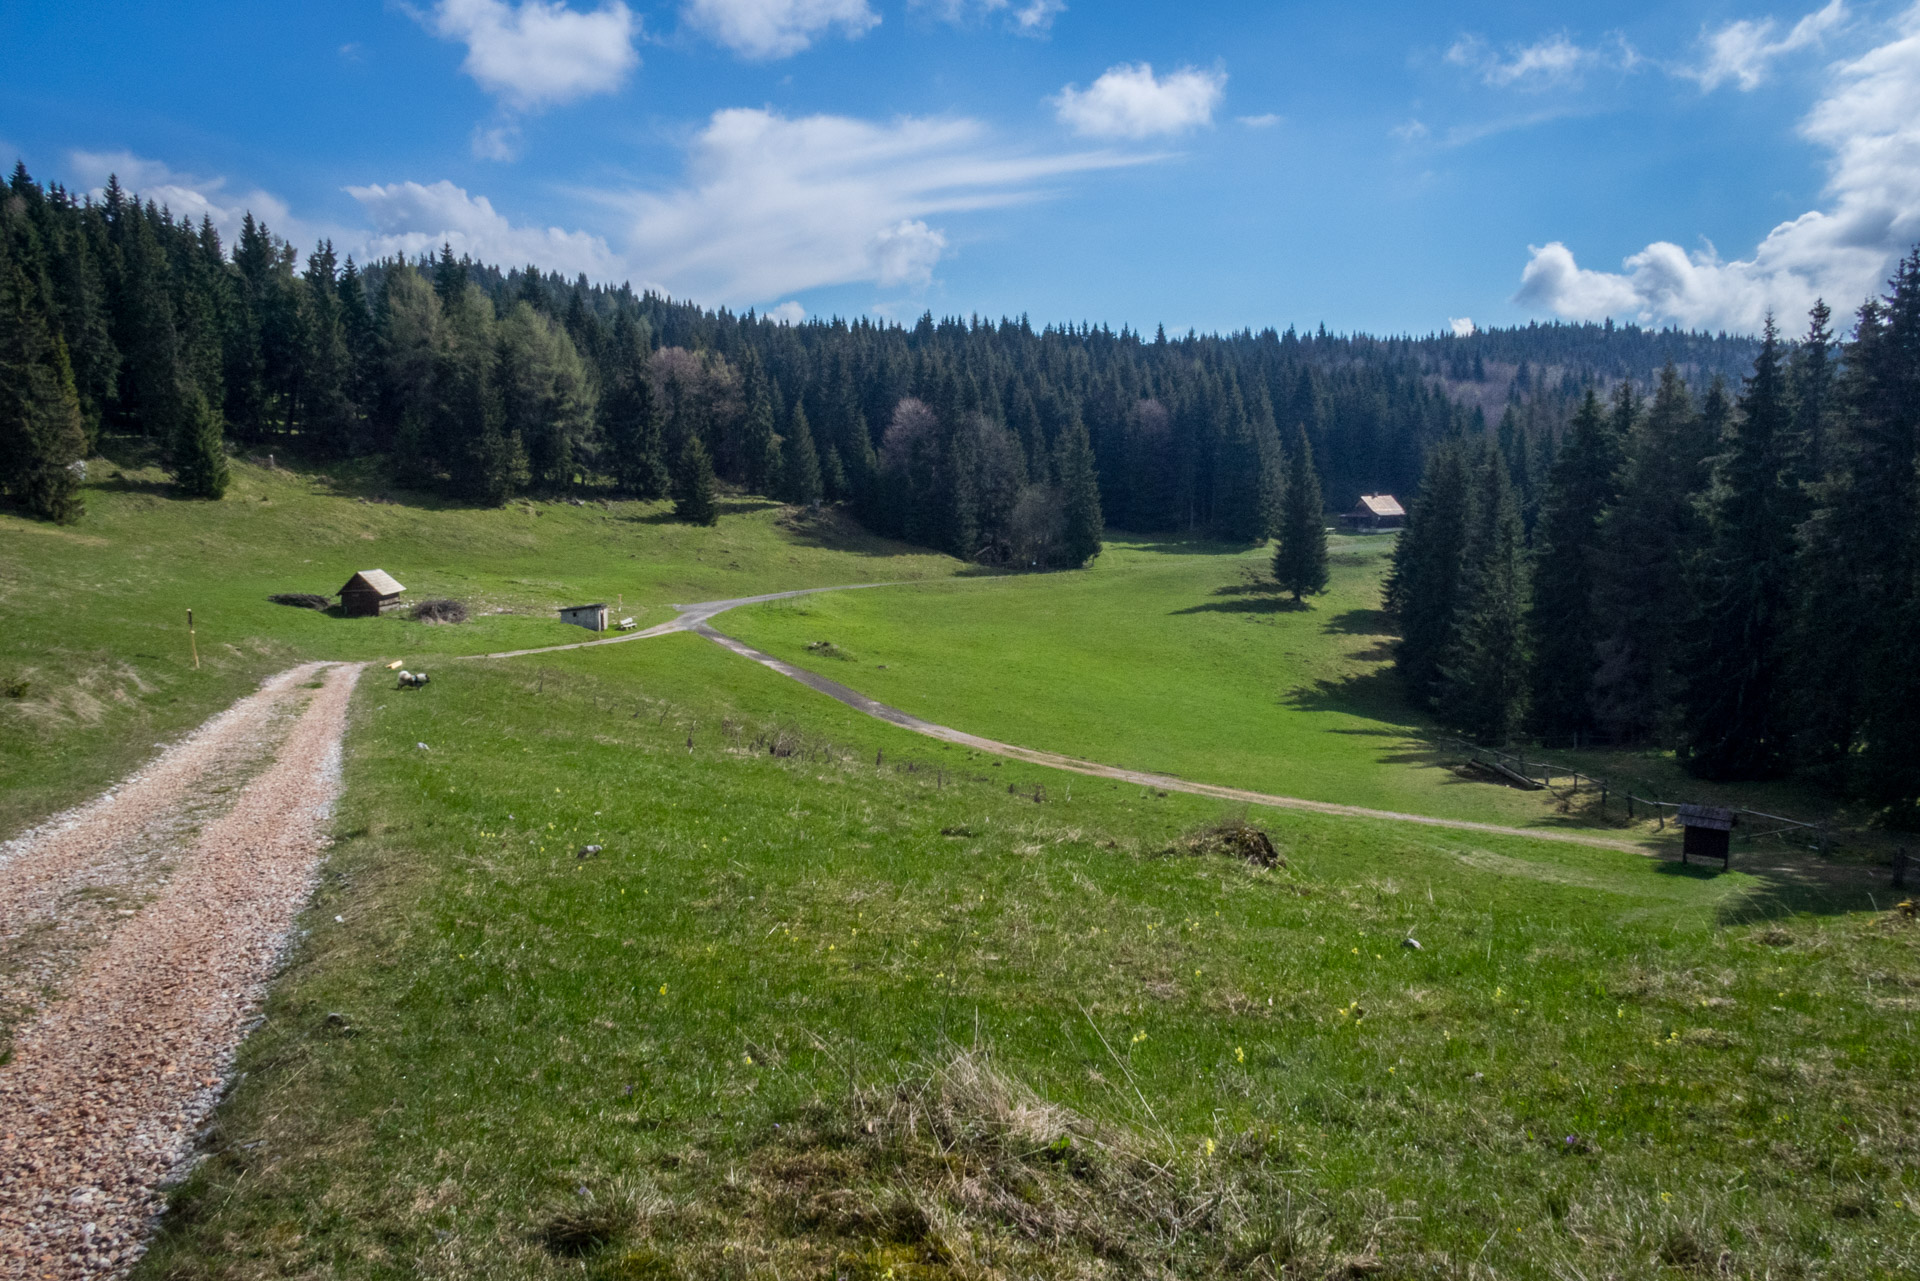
pixel 378 579
pixel 1382 504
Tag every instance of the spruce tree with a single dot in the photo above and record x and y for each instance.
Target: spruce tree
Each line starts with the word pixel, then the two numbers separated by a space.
pixel 1423 587
pixel 693 484
pixel 801 474
pixel 1735 701
pixel 1080 495
pixel 1483 672
pixel 198 448
pixel 42 437
pixel 1649 542
pixel 1300 561
pixel 1562 626
pixel 630 416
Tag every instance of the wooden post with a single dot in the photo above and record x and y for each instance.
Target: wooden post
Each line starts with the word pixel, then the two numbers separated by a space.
pixel 193 644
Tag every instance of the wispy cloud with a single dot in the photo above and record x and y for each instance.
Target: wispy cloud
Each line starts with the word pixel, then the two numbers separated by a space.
pixel 411 218
pixel 764 29
pixel 1544 64
pixel 540 53
pixel 1027 17
pixel 1744 52
pixel 1128 101
pixel 772 206
pixel 189 196
pixel 1266 120
pixel 1868 117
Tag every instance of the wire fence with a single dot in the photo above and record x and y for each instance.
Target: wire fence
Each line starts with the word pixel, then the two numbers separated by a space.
pixel 1566 782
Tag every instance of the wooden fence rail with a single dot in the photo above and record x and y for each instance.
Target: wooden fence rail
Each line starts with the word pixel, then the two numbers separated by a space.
pixel 1543 775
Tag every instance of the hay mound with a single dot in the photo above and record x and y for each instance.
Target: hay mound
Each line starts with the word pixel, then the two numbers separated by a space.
pixel 439 611
pixel 300 600
pixel 1235 838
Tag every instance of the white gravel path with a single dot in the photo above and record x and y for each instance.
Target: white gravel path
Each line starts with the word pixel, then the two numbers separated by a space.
pixel 105 1088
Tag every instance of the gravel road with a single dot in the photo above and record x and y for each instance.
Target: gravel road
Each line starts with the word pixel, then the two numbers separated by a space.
pixel 109 1079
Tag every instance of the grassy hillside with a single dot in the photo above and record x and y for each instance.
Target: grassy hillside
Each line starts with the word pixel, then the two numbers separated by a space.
pixel 870 1009
pixel 95 664
pixel 1169 656
pixel 1180 657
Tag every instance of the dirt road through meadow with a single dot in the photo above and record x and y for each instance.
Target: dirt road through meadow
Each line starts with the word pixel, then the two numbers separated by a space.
pixel 108 1080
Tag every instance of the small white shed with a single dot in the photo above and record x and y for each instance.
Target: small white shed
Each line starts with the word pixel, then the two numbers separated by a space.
pixel 591 617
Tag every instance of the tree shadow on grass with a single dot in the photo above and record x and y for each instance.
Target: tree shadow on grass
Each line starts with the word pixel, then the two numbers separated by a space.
pixel 1376 695
pixel 1249 605
pixel 1786 884
pixel 1359 622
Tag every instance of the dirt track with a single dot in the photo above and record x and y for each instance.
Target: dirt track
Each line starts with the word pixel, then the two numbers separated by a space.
pixel 109 1079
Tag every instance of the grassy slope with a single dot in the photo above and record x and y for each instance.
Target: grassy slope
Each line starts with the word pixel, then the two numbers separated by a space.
pixel 96 620
pixel 725 1046
pixel 1164 656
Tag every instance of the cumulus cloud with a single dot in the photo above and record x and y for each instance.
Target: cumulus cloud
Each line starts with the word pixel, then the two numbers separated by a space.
pixel 787 313
pixel 190 197
pixel 772 206
pixel 410 219
pixel 1028 17
pixel 1128 101
pixel 1869 119
pixel 1462 326
pixel 777 28
pixel 1744 52
pixel 540 53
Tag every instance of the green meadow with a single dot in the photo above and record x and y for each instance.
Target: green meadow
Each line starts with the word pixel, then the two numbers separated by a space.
pixel 1177 657
pixel 832 999
pixel 95 660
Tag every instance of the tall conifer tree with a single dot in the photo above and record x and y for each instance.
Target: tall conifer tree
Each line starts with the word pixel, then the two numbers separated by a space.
pixel 1080 495
pixel 1563 629
pixel 1736 708
pixel 1483 672
pixel 693 484
pixel 1300 561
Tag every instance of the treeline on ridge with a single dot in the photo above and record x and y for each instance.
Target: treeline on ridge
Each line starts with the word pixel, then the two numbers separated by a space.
pixel 1734 575
pixel 991 441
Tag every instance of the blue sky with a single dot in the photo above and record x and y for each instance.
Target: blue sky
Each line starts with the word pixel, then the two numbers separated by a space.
pixel 1386 167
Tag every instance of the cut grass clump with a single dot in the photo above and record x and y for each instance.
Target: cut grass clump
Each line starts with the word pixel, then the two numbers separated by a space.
pixel 827 649
pixel 301 600
pixel 1232 838
pixel 440 611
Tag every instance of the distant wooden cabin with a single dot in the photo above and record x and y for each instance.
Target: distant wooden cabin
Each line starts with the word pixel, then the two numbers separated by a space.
pixel 368 592
pixel 591 617
pixel 1375 512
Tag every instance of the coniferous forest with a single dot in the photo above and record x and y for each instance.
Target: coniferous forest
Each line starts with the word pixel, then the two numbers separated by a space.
pixel 1615 534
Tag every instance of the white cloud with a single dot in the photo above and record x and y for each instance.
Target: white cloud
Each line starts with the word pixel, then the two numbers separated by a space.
pixel 1869 118
pixel 540 52
pixel 1129 102
pixel 777 28
pixel 1462 326
pixel 773 206
pixel 1549 63
pixel 410 219
pixel 1412 131
pixel 190 198
pixel 1028 17
pixel 1265 121
pixel 496 142
pixel 1744 51
pixel 787 313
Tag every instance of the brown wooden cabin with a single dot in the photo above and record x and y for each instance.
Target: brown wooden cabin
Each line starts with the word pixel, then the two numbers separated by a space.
pixel 368 592
pixel 1374 512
